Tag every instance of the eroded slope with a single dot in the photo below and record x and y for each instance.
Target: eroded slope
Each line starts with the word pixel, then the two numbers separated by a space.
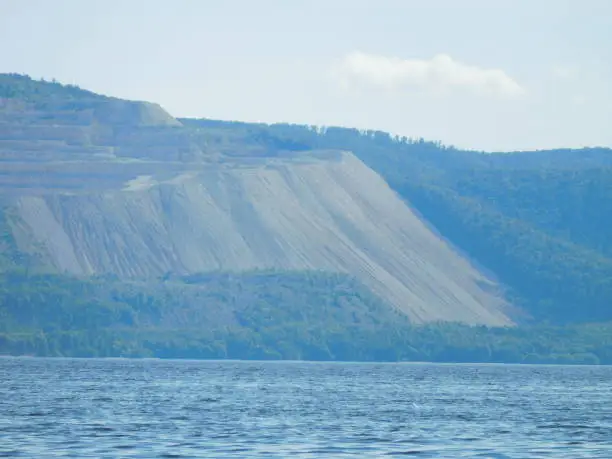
pixel 324 212
pixel 91 184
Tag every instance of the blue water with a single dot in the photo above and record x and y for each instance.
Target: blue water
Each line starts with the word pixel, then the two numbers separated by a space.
pixel 149 408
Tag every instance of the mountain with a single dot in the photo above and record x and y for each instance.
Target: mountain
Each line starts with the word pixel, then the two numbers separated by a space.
pixel 160 200
pixel 125 231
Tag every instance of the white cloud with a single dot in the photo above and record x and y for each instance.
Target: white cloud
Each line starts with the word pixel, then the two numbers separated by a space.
pixel 439 74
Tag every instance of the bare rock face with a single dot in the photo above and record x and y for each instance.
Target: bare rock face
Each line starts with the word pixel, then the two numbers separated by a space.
pixel 108 186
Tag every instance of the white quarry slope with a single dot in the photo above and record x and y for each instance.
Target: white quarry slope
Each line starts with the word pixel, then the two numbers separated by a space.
pixel 328 213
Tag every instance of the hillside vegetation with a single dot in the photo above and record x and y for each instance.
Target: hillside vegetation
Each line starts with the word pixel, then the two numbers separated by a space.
pixel 258 315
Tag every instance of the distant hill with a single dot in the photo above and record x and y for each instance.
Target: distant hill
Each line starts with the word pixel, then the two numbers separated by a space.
pixel 366 235
pixel 114 195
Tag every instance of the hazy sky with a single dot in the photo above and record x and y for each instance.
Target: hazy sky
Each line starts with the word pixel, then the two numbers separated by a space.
pixel 488 74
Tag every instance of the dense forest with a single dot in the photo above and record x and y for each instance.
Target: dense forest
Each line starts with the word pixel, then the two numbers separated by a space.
pixel 537 221
pixel 259 315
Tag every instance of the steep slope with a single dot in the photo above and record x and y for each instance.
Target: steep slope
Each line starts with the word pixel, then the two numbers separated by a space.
pixel 538 220
pixel 96 185
pixel 322 211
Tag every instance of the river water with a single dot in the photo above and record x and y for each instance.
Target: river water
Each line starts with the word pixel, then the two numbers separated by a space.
pixel 191 409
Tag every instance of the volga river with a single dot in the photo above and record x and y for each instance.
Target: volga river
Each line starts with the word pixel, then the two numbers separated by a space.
pixel 188 409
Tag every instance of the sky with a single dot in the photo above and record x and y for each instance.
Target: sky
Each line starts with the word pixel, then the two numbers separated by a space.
pixel 491 75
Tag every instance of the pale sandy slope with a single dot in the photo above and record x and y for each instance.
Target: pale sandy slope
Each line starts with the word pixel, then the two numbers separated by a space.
pixel 330 213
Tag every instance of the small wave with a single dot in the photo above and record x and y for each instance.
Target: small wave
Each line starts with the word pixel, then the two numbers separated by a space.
pixel 408 453
pixel 101 429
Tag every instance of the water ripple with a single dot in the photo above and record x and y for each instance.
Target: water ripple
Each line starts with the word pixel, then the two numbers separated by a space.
pixel 184 409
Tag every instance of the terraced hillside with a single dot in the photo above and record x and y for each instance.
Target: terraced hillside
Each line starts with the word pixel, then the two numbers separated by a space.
pixel 93 185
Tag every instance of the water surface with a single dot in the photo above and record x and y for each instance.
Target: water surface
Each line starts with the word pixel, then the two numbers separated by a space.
pixel 152 408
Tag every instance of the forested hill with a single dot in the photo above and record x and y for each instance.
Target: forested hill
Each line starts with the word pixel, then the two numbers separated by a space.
pixel 540 221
